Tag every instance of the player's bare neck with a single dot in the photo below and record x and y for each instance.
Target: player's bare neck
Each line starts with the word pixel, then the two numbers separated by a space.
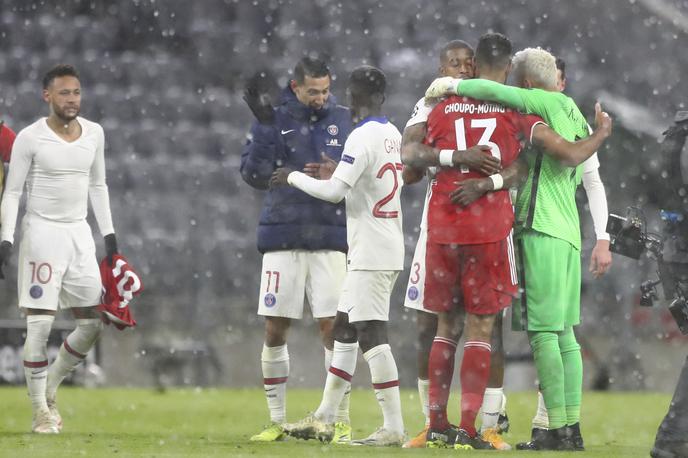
pixel 362 112
pixel 68 131
pixel 497 76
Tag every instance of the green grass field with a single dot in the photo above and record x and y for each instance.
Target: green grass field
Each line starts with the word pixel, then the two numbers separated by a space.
pixel 218 422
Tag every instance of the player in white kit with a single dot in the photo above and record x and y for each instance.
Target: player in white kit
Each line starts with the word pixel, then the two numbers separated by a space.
pixel 60 159
pixel 369 176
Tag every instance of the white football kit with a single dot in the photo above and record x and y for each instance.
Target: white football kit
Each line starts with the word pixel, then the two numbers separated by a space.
pixel 416 282
pixel 57 258
pixel 371 166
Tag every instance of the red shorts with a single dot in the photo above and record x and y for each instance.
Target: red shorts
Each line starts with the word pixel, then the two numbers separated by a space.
pixel 480 278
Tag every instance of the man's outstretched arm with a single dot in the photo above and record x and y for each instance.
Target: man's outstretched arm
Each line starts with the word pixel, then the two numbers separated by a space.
pixel 332 190
pixel 511 96
pixel 568 153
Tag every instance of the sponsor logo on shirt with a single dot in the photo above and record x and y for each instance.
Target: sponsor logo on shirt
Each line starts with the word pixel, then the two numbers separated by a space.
pixel 36 291
pixel 332 129
pixel 347 158
pixel 270 300
pixel 332 142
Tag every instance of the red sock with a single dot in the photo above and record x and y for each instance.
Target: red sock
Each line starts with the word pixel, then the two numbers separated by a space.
pixel 440 372
pixel 475 371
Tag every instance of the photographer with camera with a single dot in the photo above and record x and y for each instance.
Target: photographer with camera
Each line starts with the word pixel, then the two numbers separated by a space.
pixel 672 436
pixel 630 238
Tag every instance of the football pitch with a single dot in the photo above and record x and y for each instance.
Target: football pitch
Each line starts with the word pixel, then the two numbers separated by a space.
pixel 218 422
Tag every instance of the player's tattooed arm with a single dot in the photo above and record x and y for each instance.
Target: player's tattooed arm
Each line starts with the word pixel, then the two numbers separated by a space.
pixel 417 155
pixel 411 147
pixel 470 190
pixel 568 153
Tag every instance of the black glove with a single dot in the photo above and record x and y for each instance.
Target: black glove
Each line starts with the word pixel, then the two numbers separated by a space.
pixel 257 97
pixel 110 247
pixel 5 253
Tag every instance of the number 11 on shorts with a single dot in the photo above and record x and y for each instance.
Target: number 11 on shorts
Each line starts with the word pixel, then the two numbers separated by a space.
pixel 270 274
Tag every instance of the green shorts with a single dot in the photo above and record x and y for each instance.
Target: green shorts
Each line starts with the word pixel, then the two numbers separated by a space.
pixel 550 281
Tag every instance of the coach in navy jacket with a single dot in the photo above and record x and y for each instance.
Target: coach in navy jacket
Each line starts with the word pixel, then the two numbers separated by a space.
pixel 303 239
pixel 291 219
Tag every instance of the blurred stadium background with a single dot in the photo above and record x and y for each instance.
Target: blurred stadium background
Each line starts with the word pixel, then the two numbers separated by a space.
pixel 165 79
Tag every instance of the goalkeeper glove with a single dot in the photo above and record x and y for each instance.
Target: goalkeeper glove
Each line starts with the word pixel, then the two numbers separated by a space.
pixel 441 87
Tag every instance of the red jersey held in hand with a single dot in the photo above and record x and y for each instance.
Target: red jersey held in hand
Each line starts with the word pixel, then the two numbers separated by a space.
pixel 458 123
pixel 120 285
pixel 7 137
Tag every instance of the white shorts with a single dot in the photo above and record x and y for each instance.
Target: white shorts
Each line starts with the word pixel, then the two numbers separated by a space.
pixel 287 277
pixel 57 265
pixel 416 282
pixel 366 294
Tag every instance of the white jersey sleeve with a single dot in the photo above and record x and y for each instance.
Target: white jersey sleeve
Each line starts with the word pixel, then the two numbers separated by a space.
pixel 420 113
pixel 591 164
pixel 597 198
pixel 333 190
pixel 98 190
pixel 354 160
pixel 20 163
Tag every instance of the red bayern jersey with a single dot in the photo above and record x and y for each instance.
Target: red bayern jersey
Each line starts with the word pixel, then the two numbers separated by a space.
pixel 459 123
pixel 120 284
pixel 7 137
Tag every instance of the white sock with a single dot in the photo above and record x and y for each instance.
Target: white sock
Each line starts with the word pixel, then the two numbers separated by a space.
pixel 338 381
pixel 385 377
pixel 424 396
pixel 541 420
pixel 275 364
pixel 74 349
pixel 36 358
pixel 492 405
pixel 342 414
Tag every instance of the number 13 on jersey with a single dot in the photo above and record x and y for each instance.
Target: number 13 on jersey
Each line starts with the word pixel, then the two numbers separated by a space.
pixel 488 124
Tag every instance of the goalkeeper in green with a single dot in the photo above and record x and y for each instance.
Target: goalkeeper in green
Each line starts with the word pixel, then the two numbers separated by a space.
pixel 549 241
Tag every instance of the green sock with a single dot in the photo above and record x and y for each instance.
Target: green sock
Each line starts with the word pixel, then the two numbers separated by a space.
pixel 573 374
pixel 550 371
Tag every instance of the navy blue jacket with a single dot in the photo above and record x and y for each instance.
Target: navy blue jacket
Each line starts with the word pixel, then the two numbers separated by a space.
pixel 291 219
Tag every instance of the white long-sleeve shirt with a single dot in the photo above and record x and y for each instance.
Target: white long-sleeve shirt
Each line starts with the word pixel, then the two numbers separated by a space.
pixel 597 199
pixel 60 176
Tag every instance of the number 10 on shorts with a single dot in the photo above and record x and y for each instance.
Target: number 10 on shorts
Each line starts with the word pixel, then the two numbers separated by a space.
pixel 41 273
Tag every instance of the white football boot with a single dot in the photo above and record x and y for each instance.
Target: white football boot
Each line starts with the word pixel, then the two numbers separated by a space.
pixel 43 422
pixel 52 407
pixel 382 438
